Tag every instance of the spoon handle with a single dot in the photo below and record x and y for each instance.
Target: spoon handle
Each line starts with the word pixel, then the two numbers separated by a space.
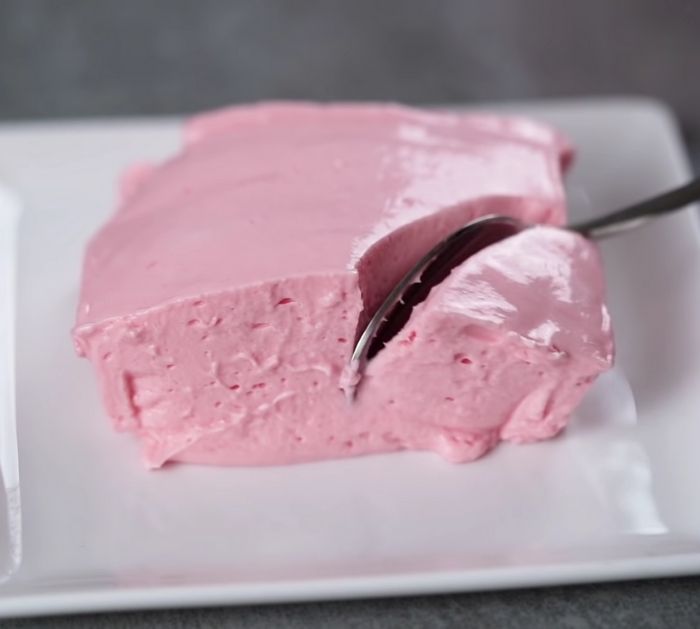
pixel 634 215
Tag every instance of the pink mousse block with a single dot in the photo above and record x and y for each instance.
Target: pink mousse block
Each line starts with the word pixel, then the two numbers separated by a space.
pixel 220 303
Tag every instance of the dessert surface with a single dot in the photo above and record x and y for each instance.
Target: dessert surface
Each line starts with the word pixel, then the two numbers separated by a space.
pixel 220 304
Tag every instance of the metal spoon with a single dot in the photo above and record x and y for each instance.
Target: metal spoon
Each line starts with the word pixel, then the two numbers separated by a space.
pixel 437 264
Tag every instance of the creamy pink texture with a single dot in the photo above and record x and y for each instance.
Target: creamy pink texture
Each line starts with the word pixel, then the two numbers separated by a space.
pixel 220 304
pixel 505 347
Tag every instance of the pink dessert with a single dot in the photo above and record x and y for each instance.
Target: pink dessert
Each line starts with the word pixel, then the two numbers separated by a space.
pixel 220 303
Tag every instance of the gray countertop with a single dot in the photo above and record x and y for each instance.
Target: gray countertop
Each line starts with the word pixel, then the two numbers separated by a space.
pixel 117 57
pixel 639 605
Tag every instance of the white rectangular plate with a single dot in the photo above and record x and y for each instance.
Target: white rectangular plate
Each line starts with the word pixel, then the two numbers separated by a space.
pixel 616 497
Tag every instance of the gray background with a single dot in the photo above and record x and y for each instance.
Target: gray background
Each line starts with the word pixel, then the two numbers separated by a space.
pixel 74 58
